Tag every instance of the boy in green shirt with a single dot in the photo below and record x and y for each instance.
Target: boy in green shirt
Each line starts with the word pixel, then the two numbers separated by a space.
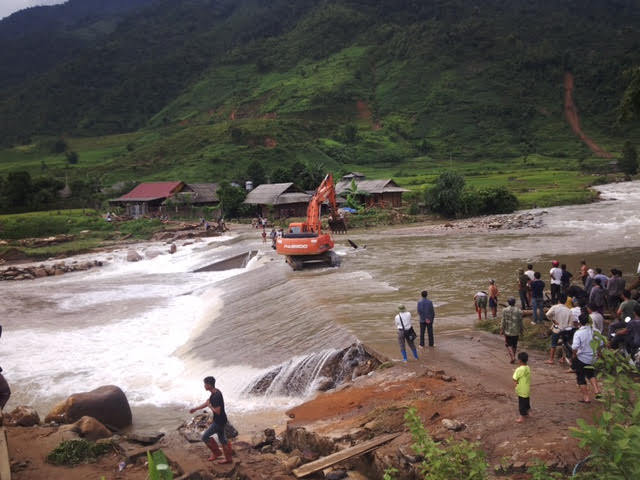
pixel 522 379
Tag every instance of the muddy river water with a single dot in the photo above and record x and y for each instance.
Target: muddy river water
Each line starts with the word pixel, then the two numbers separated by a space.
pixel 156 329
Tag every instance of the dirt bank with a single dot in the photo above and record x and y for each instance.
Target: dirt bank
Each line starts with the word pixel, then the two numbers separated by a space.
pixel 466 377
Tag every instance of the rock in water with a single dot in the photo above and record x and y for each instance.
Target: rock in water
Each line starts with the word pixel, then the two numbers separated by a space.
pixel 108 404
pixel 133 256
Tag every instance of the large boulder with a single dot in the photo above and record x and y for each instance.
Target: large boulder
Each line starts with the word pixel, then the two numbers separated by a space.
pixel 108 404
pixel 23 416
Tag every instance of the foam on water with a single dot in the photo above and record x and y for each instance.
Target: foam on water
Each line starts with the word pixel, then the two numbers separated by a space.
pixel 123 325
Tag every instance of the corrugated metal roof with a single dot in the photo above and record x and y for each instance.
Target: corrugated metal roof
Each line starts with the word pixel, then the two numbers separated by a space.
pixel 268 193
pixel 152 191
pixel 370 186
pixel 203 192
pixel 287 198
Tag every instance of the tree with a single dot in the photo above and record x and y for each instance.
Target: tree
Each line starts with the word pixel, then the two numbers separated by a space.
pixel 628 163
pixel 350 133
pixel 255 173
pixel 17 189
pixel 231 199
pixel 280 175
pixel 630 105
pixel 352 195
pixel 445 196
pixel 72 157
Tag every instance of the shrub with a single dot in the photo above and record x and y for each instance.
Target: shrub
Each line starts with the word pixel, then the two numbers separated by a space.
pixel 628 163
pixel 75 452
pixel 614 437
pixel 443 461
pixel 445 197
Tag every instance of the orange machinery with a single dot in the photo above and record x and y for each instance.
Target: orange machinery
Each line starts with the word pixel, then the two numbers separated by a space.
pixel 304 244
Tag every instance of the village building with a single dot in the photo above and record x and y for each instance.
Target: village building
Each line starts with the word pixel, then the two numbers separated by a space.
pixel 192 198
pixel 278 200
pixel 378 193
pixel 147 198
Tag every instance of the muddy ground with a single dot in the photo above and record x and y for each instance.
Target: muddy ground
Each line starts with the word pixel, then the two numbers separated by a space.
pixel 465 377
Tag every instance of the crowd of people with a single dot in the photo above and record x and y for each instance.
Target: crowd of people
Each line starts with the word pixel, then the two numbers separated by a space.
pixel 576 312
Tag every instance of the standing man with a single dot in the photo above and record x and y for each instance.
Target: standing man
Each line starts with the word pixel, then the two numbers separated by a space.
pixel 403 324
pixel 584 358
pixel 511 328
pixel 556 281
pixel 597 296
pixel 5 391
pixel 561 320
pixel 531 274
pixel 216 403
pixel 537 298
pixel 493 298
pixel 615 287
pixel 427 315
pixel 583 271
pixel 523 289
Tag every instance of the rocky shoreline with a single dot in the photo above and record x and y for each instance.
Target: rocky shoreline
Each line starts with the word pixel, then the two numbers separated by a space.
pixel 47 270
pixel 453 400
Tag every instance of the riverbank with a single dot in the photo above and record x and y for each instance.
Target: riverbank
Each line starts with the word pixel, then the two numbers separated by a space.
pixel 466 378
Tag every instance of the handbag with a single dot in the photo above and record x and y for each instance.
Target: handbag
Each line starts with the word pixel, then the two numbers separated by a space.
pixel 408 334
pixel 230 431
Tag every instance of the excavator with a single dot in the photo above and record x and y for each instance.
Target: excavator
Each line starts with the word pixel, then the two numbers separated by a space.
pixel 304 244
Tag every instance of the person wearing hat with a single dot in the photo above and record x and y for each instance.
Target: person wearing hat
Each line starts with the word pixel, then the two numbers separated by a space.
pixel 556 281
pixel 405 332
pixel 511 327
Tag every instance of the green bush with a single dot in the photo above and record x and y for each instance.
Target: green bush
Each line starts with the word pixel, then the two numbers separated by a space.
pixel 75 452
pixel 452 198
pixel 445 197
pixel 613 439
pixel 443 461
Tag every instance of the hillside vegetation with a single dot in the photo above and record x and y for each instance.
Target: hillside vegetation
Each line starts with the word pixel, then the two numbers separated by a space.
pixel 198 89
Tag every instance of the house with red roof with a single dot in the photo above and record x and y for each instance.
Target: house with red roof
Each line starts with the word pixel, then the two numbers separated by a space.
pixel 147 198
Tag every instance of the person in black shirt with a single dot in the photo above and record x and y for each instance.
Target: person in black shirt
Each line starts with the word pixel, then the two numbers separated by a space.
pixel 216 403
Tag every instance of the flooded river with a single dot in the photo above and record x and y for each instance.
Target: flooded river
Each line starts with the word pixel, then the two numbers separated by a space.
pixel 155 328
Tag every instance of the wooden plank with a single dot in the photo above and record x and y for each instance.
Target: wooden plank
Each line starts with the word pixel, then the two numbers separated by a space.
pixel 5 466
pixel 342 455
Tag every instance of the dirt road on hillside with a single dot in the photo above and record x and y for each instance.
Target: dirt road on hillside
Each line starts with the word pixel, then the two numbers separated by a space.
pixel 571 114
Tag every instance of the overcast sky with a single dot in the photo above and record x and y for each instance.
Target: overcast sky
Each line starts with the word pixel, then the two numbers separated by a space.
pixel 7 7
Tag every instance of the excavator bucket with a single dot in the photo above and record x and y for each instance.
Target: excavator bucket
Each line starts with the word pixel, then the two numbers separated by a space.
pixel 337 225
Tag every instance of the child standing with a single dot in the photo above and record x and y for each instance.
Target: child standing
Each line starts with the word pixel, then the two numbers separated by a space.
pixel 522 379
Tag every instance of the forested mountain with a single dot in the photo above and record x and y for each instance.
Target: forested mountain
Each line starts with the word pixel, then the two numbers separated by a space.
pixel 36 39
pixel 348 81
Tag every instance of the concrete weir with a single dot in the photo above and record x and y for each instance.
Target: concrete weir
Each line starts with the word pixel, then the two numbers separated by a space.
pixel 237 261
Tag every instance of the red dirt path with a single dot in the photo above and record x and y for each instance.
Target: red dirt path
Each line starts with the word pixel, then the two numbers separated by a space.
pixel 571 114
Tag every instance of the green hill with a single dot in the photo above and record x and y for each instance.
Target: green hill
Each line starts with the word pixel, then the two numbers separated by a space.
pixel 197 89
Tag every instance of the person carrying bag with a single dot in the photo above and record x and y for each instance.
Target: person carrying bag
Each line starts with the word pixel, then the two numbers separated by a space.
pixel 406 333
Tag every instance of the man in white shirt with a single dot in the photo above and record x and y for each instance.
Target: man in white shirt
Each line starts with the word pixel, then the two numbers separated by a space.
pixel 584 358
pixel 556 281
pixel 561 319
pixel 597 320
pixel 403 325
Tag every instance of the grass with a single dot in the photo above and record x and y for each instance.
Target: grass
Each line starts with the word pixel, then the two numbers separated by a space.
pixel 75 452
pixel 89 228
pixel 535 337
